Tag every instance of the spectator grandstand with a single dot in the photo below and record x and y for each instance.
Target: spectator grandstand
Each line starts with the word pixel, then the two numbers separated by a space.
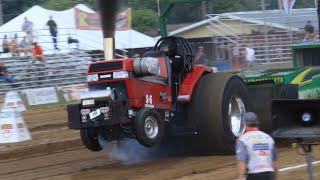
pixel 271 33
pixel 67 64
pixel 57 70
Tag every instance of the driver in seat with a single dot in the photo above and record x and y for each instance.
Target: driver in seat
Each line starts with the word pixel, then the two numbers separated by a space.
pixel 169 47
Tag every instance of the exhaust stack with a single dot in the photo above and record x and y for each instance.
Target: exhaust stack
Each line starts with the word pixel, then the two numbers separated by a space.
pixel 108 10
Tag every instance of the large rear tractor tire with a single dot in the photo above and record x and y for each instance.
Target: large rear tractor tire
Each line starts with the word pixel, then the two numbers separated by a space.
pixel 217 106
pixel 148 127
pixel 90 139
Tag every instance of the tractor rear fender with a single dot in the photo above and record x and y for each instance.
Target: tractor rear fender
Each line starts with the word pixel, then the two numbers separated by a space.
pixel 189 83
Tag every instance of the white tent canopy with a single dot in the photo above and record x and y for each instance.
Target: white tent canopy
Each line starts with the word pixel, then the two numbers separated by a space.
pixel 89 39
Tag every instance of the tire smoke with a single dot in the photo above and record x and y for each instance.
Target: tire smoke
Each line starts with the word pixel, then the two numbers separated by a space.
pixel 130 152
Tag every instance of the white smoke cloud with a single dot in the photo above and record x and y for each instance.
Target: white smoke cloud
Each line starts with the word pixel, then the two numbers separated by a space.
pixel 130 151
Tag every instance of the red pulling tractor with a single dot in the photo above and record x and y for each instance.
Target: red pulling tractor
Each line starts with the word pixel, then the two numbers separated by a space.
pixel 161 95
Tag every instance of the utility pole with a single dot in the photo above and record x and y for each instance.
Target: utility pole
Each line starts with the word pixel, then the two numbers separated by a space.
pixel 1 13
pixel 210 7
pixel 204 9
pixel 279 4
pixel 266 40
pixel 159 13
pixel 263 5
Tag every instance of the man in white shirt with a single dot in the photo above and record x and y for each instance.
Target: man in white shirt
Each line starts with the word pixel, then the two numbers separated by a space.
pixel 250 55
pixel 27 27
pixel 255 152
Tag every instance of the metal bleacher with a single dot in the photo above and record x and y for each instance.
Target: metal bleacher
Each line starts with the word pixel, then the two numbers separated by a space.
pixel 271 33
pixel 60 68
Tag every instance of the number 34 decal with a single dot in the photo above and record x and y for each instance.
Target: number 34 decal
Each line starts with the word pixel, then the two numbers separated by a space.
pixel 149 101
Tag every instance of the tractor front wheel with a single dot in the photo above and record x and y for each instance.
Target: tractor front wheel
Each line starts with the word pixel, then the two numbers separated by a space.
pixel 90 139
pixel 148 127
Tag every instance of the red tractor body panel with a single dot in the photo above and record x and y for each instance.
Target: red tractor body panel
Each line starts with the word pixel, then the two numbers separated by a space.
pixel 189 83
pixel 145 94
pixel 127 66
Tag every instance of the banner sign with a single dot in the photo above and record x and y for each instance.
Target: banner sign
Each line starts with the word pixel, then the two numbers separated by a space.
pixel 13 100
pixel 288 5
pixel 87 21
pixel 41 96
pixel 73 92
pixel 124 20
pixel 12 127
pixel 91 21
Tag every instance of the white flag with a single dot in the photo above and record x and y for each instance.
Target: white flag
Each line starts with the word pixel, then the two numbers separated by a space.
pixel 287 5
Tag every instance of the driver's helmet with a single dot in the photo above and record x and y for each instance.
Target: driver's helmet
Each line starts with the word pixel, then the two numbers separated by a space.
pixel 169 47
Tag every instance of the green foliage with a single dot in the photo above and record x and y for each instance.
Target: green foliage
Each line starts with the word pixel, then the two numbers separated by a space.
pixel 144 19
pixel 60 5
pixel 182 13
pixel 12 8
pixel 304 4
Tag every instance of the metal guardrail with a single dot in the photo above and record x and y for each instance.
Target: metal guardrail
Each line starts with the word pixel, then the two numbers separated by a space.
pixel 272 45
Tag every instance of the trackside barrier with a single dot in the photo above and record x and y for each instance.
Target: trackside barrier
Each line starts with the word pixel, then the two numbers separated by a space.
pixel 49 95
pixel 12 126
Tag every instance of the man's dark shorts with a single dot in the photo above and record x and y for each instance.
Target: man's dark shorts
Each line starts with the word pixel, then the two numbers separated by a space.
pixel 261 176
pixel 6 50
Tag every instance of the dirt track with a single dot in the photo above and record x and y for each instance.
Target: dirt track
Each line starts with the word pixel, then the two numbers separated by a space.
pixel 57 153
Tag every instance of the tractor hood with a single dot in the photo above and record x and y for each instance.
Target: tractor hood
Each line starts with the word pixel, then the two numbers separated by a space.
pixel 308 79
pixel 282 76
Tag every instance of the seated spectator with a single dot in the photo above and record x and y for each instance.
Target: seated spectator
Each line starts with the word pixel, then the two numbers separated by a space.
pixel 24 43
pixel 15 40
pixel 37 52
pixel 309 31
pixel 14 45
pixel 24 46
pixel 136 56
pixel 4 75
pixel 72 40
pixel 6 44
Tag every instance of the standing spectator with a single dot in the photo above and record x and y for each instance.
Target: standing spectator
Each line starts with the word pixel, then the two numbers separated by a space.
pixel 200 57
pixel 53 31
pixel 27 27
pixel 4 75
pixel 37 52
pixel 236 53
pixel 256 152
pixel 250 55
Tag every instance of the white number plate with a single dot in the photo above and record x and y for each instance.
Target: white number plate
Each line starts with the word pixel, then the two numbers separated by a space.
pixel 95 114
